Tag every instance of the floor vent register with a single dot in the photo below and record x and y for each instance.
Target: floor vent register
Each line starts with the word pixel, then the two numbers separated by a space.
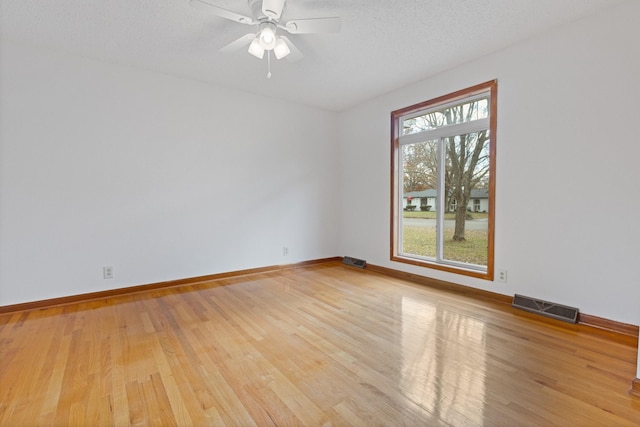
pixel 546 308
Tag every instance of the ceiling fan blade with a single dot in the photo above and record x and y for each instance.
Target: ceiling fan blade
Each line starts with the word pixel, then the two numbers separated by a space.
pixel 295 54
pixel 238 44
pixel 206 6
pixel 272 8
pixel 313 25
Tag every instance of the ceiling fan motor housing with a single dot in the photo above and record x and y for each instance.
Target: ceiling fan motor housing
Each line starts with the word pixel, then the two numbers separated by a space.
pixel 257 12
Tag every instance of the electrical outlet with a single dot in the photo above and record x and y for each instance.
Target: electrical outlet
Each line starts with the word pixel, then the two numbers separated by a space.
pixel 107 272
pixel 285 251
pixel 501 276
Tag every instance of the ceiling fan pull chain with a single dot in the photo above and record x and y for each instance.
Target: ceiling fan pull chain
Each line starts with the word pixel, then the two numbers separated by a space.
pixel 268 64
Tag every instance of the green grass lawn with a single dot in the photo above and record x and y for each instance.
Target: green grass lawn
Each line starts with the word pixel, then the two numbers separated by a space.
pixel 422 241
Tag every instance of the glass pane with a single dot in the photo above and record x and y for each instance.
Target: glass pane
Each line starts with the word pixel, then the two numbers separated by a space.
pixel 418 222
pixel 467 111
pixel 467 203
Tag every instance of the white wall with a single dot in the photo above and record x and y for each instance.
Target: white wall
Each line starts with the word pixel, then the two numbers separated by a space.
pixel 568 108
pixel 161 178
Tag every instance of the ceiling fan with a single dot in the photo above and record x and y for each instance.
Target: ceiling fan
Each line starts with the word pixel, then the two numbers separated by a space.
pixel 266 15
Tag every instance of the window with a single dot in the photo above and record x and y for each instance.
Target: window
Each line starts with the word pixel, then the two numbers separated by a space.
pixel 443 152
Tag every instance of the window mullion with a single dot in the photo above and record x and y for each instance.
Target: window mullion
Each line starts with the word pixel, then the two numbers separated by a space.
pixel 400 190
pixel 451 130
pixel 440 200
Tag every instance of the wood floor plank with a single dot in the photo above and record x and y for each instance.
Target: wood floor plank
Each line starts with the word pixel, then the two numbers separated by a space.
pixel 320 345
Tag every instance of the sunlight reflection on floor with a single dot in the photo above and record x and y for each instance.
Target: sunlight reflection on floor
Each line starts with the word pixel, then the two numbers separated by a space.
pixel 433 375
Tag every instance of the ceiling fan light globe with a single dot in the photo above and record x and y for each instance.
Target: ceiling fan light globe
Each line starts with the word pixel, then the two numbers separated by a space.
pixel 267 38
pixel 256 49
pixel 281 49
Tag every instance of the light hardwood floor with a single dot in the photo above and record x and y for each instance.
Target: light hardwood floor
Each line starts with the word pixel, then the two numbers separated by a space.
pixel 319 345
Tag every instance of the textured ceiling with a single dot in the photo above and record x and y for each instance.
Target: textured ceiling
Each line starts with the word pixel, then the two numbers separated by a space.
pixel 383 45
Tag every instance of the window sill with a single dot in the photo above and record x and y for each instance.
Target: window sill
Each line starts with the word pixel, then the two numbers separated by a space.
pixel 486 275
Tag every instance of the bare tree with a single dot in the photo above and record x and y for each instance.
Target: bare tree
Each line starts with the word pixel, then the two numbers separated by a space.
pixel 420 166
pixel 467 166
